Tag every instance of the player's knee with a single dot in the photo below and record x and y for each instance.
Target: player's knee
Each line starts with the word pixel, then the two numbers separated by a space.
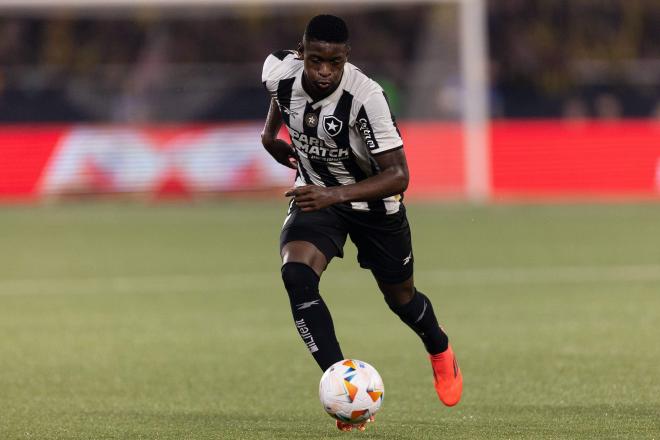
pixel 397 295
pixel 300 280
pixel 398 298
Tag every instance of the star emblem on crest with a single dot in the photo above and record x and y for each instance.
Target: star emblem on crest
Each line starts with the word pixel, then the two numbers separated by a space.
pixel 332 125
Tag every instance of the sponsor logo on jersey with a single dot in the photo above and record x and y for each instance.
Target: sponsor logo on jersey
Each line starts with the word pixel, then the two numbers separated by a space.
pixel 367 135
pixel 332 125
pixel 316 149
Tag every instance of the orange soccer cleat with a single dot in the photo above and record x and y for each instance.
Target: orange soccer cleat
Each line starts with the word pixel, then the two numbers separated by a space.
pixel 447 377
pixel 346 427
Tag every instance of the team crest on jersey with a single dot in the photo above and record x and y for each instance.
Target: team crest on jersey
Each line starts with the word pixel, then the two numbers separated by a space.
pixel 311 120
pixel 331 125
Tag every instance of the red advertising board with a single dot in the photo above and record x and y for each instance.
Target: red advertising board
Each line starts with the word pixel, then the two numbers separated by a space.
pixel 528 159
pixel 591 158
pixel 435 158
pixel 24 154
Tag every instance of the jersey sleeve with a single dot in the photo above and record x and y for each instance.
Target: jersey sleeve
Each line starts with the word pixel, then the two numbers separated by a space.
pixel 377 125
pixel 274 69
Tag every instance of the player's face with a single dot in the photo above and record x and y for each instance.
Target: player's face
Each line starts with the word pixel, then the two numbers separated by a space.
pixel 324 65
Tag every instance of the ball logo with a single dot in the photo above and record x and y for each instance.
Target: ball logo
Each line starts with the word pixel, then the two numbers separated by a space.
pixel 332 125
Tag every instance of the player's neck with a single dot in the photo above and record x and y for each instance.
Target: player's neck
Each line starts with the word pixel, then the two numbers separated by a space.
pixel 316 95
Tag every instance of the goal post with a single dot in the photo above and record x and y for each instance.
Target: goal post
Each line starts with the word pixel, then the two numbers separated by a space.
pixel 474 57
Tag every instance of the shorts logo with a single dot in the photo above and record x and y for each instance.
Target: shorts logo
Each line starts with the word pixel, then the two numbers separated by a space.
pixel 311 120
pixel 332 125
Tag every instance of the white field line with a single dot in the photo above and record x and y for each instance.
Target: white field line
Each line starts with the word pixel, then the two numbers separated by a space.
pixel 222 282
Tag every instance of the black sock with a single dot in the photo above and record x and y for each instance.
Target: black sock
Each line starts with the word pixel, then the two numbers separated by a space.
pixel 310 314
pixel 418 315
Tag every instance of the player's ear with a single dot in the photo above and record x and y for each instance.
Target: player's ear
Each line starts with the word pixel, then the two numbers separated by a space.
pixel 300 49
pixel 348 50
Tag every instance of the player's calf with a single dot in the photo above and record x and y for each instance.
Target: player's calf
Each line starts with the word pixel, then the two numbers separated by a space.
pixel 310 314
pixel 418 314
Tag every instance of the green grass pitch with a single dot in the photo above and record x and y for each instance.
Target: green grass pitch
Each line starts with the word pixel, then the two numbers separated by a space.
pixel 125 321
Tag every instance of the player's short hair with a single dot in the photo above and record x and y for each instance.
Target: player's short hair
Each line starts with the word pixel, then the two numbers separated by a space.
pixel 327 28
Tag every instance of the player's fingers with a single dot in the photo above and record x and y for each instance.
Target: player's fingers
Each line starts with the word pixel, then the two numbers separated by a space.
pixel 303 193
pixel 304 197
pixel 297 191
pixel 291 192
pixel 305 204
pixel 362 427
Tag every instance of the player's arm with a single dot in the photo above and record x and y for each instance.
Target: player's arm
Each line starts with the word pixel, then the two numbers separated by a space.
pixel 392 179
pixel 278 148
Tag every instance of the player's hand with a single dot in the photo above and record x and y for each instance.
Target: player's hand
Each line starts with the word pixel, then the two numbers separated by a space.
pixel 283 153
pixel 313 198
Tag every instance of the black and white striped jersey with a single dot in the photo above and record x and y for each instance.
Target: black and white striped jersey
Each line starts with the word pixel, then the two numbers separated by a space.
pixel 336 137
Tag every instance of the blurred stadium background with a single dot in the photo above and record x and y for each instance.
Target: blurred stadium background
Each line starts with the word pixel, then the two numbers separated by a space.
pixel 532 130
pixel 496 99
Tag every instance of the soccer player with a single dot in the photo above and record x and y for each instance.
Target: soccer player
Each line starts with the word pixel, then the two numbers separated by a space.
pixel 351 175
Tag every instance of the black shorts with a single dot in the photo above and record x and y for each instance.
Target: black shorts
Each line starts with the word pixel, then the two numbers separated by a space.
pixel 383 241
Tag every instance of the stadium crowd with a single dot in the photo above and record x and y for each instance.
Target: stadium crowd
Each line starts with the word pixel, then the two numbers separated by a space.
pixel 566 58
pixel 575 58
pixel 205 65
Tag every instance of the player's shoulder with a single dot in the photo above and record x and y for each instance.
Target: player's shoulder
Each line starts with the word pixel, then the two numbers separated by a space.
pixel 361 86
pixel 281 64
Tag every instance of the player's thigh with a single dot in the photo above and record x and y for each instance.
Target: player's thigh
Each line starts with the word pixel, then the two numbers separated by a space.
pixel 384 246
pixel 313 238
pixel 306 253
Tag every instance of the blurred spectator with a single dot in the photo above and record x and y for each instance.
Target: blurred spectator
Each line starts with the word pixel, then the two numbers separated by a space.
pixel 655 114
pixel 550 54
pixel 158 66
pixel 575 109
pixel 607 106
pixel 548 59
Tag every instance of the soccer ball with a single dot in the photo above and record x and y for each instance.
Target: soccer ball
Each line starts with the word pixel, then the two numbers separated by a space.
pixel 351 391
